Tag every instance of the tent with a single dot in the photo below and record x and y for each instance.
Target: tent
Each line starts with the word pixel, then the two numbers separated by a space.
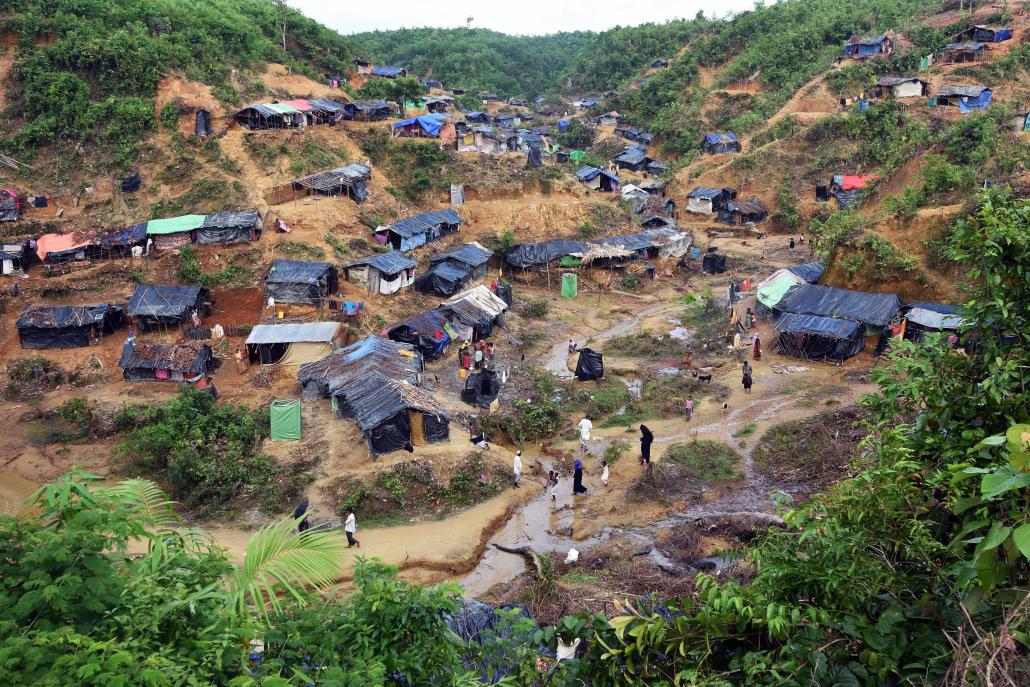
pixel 817 338
pixel 14 257
pixel 866 46
pixel 202 123
pixel 633 158
pixel 922 318
pixel 174 232
pixel 66 326
pixel 713 263
pixel 964 52
pixel 384 273
pixel 984 34
pixel 285 420
pixel 704 200
pixel 427 125
pixel 481 388
pixel 727 142
pixel 871 309
pixel 418 230
pixel 427 331
pixel 389 72
pixel 58 248
pixel 293 344
pixel 297 281
pixel 181 362
pixel 849 189
pixel 265 116
pixel 224 228
pixel 900 87
pixel 540 254
pixel 152 305
pixel 367 110
pixel 478 308
pixel 473 256
pixel 771 289
pixel 443 279
pixel 394 359
pixel 966 98
pixel 597 179
pixel 117 242
pixel 737 212
pixel 659 64
pixel 590 365
pixel 810 271
pixel 393 415
pixel 10 206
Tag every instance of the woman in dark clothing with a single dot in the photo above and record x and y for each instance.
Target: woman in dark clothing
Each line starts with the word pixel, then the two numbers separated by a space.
pixel 301 511
pixel 746 380
pixel 577 479
pixel 646 438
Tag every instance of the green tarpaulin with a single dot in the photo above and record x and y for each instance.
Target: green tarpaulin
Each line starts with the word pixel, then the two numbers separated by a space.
pixel 283 108
pixel 577 155
pixel 285 420
pixel 174 225
pixel 569 285
pixel 772 289
pixel 570 261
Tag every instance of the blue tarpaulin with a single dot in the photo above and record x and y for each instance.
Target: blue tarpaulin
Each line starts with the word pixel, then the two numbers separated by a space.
pixel 810 271
pixel 415 231
pixel 814 324
pixel 388 72
pixel 591 173
pixel 873 309
pixel 429 123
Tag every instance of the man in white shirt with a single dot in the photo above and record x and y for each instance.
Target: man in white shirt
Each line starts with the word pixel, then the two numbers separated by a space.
pixel 517 465
pixel 585 427
pixel 350 526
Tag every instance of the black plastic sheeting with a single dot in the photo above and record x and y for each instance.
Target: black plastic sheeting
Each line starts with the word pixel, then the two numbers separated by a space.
pixel 872 309
pixel 713 264
pixel 65 326
pixel 229 227
pixel 534 158
pixel 169 303
pixel 590 365
pixel 818 338
pixel 505 293
pixel 297 281
pixel 533 254
pixel 420 331
pixel 442 279
pixel 9 211
pixel 436 428
pixel 481 388
pixel 131 183
pixel 810 271
pixel 202 124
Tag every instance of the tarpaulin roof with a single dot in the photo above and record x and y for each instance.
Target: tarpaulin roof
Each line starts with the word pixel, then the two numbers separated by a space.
pixel 299 104
pixel 378 398
pixel 283 108
pixel 163 301
pixel 962 91
pixel 188 357
pixel 262 109
pixel 705 192
pixel 867 40
pixel 425 322
pixel 231 220
pixel 420 224
pixel 329 105
pixel 942 308
pixel 387 71
pixel 772 288
pixel 810 271
pixel 392 358
pixel 443 278
pixel 297 272
pixel 59 316
pixel 429 123
pixel 338 176
pixel 814 324
pixel 480 296
pixel 714 139
pixel 59 243
pixel 388 263
pixel 590 173
pixel 471 254
pixel 874 309
pixel 529 254
pixel 897 80
pixel 851 183
pixel 638 240
pixel 174 225
pixel 755 206
pixel 369 105
pixel 934 320
pixel 12 251
pixel 631 156
pixel 304 332
pixel 959 47
pixel 123 237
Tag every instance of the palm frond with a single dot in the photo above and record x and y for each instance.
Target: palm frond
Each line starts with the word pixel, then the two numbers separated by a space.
pixel 148 500
pixel 280 561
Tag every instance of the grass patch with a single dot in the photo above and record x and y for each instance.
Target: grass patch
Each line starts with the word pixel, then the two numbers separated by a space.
pixel 579 577
pixel 684 470
pixel 535 309
pixel 615 450
pixel 745 431
pixel 299 251
pixel 643 346
pixel 667 395
pixel 602 398
pixel 412 491
pixel 338 246
pixel 235 276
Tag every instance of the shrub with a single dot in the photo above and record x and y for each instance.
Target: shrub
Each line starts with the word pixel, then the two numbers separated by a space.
pixel 536 309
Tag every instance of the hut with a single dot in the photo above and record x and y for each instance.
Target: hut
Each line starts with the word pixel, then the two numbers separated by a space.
pixel 984 34
pixel 14 257
pixel 384 273
pixel 411 232
pixel 475 312
pixel 715 144
pixel 152 305
pixel 964 52
pixel 704 200
pixel 392 414
pixel 900 87
pixel 348 180
pixel 817 338
pixel 224 228
pixel 737 212
pixel 429 332
pixel 966 98
pixel 294 343
pixel 297 281
pixel 597 179
pixel 473 257
pixel 861 47
pixel 188 362
pixel 367 110
pixel 174 232
pixel 10 205
pixel 394 359
pixel 66 326
pixel 389 72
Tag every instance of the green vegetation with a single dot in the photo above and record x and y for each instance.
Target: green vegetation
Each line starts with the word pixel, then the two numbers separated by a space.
pixel 340 249
pixel 300 251
pixel 235 275
pixel 814 451
pixel 745 431
pixel 535 309
pixel 614 451
pixel 417 166
pixel 705 461
pixel 644 346
pixel 208 454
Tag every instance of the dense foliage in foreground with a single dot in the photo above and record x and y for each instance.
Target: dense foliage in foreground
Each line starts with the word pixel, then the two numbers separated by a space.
pixel 913 572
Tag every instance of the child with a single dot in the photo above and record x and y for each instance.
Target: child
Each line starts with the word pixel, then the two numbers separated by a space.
pixel 689 409
pixel 552 479
pixel 604 473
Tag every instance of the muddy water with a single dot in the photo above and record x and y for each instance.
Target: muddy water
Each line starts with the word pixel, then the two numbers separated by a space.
pixel 14 490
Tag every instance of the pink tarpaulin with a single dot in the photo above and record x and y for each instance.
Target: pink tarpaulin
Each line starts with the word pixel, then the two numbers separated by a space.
pixel 856 182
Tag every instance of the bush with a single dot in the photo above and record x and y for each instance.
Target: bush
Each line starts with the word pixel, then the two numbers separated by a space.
pixel 536 309
pixel 705 461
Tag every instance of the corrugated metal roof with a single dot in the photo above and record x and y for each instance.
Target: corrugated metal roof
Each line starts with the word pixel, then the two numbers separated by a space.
pixel 427 221
pixel 293 333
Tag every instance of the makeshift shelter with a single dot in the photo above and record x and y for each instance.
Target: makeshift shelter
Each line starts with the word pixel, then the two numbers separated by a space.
pixel 540 254
pixel 657 222
pixel 367 110
pixel 610 119
pixel 598 179
pixel 14 257
pixel 384 273
pixel 984 34
pixel 924 318
pixel 393 415
pixel 189 362
pixel 478 308
pixel 1020 122
pixel 774 287
pixel 704 200
pixel 411 232
pixel 736 212
pixel 817 338
pixel 285 420
pixel 426 126
pixel 297 281
pixel 117 243
pixel 174 232
pixel 154 305
pixel 202 123
pixel 389 72
pixel 715 144
pixel 347 180
pixel 659 64
pixel 713 263
pixel 58 248
pixel 438 105
pixel 635 133
pixel 393 359
pixel 10 205
pixel 267 116
pixel 966 98
pixel 870 309
pixel 129 184
pixel 481 388
pixel 293 344
pixel 590 365
pixel 587 103
pixel 477 117
pixel 223 228
pixel 66 326
pixel 900 87
pixel 429 332
pixel 849 190
pixel 953 53
pixel 443 279
pixel 809 271
pixel 487 139
pixel 633 158
pixel 860 47
pixel 430 83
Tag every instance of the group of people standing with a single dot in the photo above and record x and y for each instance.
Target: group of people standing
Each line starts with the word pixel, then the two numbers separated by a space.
pixel 475 356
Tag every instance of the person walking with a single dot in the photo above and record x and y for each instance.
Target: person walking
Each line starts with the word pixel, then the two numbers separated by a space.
pixel 757 348
pixel 350 526
pixel 517 467
pixel 585 427
pixel 604 473
pixel 646 439
pixel 577 478
pixel 792 243
pixel 301 512
pixel 746 378
pixel 688 409
pixel 552 481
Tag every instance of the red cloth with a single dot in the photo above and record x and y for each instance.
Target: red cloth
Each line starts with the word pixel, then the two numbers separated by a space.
pixel 855 182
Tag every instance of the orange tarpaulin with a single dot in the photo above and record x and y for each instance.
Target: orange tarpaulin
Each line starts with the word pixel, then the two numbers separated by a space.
pixel 58 243
pixel 855 182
